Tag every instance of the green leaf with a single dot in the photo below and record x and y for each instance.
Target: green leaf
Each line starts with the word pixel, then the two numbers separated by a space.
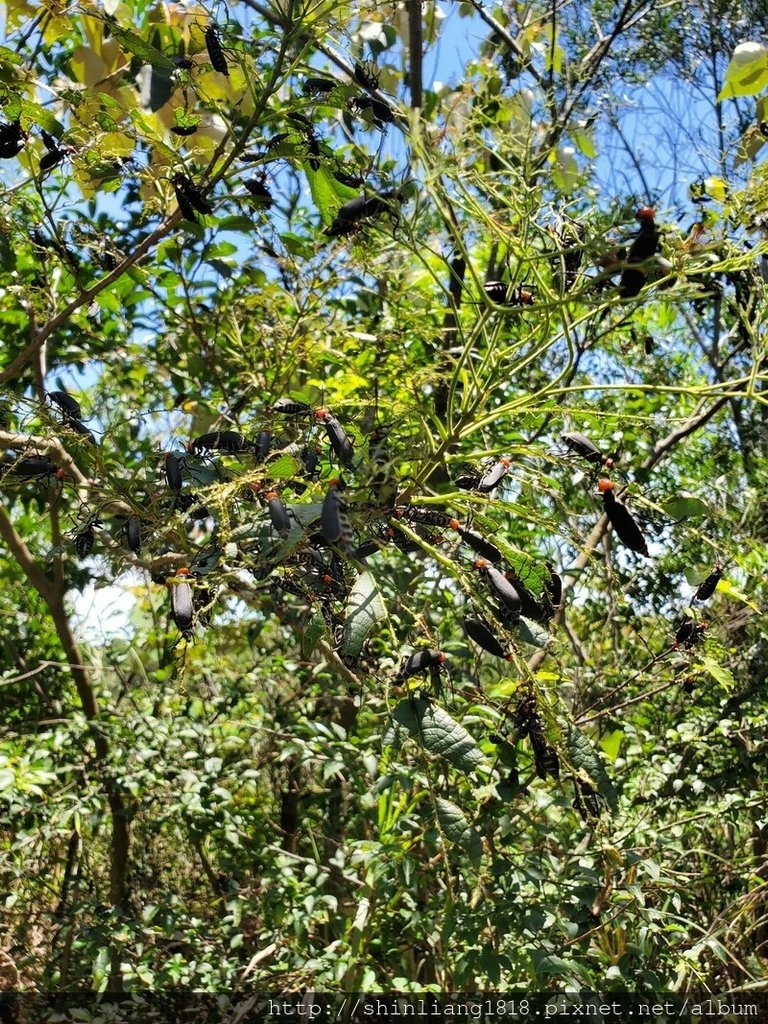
pixel 222 267
pixel 534 634
pixel 312 634
pixel 10 56
pixel 565 169
pixel 306 514
pixel 585 759
pixel 236 222
pixel 585 143
pixel 685 507
pixel 364 609
pixel 100 970
pixel 328 193
pixel 160 89
pixel 457 829
pixel 184 118
pixel 284 467
pixel 750 144
pixel 33 113
pixel 201 472
pixel 439 733
pixel 719 673
pixel 7 253
pixel 296 245
pixel 140 48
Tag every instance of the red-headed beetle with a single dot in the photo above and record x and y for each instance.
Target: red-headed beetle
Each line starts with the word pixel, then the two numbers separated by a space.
pixel 66 403
pixel 132 529
pixel 623 523
pixel 500 585
pixel 337 437
pixel 644 245
pixel 690 633
pixel 291 407
pixel 220 440
pixel 420 661
pixel 494 476
pixel 83 542
pixel 278 513
pixel 334 522
pixel 477 542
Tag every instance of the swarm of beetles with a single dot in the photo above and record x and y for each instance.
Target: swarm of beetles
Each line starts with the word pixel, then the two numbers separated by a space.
pixel 317 560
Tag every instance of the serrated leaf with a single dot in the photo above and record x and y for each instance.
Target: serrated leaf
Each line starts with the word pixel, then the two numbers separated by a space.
pixel 33 113
pixel 457 829
pixel 586 759
pixel 719 673
pixel 141 48
pixel 284 467
pixel 307 514
pixel 364 609
pixel 534 634
pixel 312 634
pixel 328 192
pixel 532 573
pixel 439 733
pixel 184 118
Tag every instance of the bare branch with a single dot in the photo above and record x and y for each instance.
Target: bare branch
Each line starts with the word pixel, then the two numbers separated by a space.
pixel 50 446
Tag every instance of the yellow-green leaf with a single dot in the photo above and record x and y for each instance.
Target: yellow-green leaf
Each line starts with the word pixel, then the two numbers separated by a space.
pixel 584 141
pixel 747 72
pixel 610 744
pixel 727 588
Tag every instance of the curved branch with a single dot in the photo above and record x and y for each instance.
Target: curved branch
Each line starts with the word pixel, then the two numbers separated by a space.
pixel 50 446
pixel 23 556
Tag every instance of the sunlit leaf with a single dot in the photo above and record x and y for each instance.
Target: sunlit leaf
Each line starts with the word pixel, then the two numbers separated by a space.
pixel 747 72
pixel 438 732
pixel 365 608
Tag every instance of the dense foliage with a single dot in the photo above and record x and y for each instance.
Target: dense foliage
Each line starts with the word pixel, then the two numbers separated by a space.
pixel 289 760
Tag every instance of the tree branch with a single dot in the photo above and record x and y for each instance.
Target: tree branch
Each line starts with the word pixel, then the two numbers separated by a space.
pixel 50 446
pixel 23 556
pixel 415 44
